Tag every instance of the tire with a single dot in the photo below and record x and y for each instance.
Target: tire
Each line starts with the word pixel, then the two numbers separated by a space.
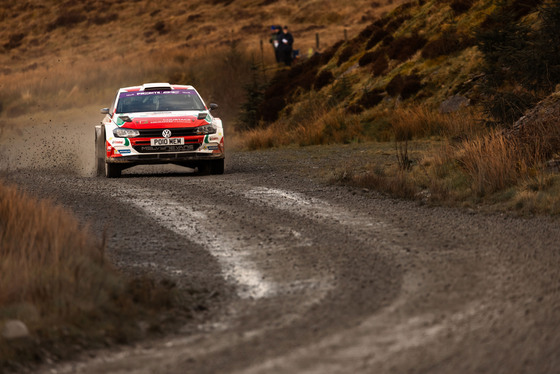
pixel 99 152
pixel 211 167
pixel 217 166
pixel 204 168
pixel 101 165
pixel 112 170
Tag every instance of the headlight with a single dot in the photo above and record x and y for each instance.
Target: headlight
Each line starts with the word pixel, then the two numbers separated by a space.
pixel 206 129
pixel 125 133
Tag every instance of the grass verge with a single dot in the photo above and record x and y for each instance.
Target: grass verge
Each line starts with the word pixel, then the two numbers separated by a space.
pixel 450 159
pixel 55 279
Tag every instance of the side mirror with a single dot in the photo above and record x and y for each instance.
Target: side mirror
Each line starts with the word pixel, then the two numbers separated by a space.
pixel 105 111
pixel 213 106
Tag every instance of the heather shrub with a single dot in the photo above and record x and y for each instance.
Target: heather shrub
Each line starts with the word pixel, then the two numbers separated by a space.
pixel 370 57
pixel 324 78
pixel 411 85
pixel 395 85
pixel 447 43
pixel 369 99
pixel 387 40
pixel 394 24
pixel 67 19
pixel 14 41
pixel 520 8
pixel 377 36
pixel 368 32
pixel 160 27
pixel 405 47
pixel 346 53
pixel 366 59
pixel 380 65
pixel 461 6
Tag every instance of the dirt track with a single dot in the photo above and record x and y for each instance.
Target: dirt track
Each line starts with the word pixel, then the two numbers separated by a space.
pixel 315 278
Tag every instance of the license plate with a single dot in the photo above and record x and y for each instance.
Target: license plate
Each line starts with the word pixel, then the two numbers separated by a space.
pixel 167 141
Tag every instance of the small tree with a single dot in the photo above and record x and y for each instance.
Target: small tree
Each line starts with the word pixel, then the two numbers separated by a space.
pixel 254 94
pixel 522 61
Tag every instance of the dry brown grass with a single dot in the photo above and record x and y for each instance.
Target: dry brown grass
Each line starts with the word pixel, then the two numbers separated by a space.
pixel 463 163
pixel 493 162
pixel 419 121
pixel 47 259
pixel 397 184
pixel 311 122
pixel 56 88
pixel 57 55
pixel 54 277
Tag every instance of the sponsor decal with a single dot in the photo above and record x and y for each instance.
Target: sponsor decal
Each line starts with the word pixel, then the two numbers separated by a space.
pixel 150 93
pixel 189 119
pixel 123 119
pixel 213 147
pixel 124 151
pixel 121 141
pixel 213 138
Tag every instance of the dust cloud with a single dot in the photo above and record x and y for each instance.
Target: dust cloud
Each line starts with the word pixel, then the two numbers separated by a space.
pixel 56 144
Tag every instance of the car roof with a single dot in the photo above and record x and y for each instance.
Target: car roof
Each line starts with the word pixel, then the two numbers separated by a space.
pixel 156 86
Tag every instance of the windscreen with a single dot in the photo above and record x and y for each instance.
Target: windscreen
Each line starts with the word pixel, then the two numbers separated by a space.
pixel 159 101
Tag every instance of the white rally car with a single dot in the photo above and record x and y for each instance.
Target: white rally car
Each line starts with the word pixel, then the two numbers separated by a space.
pixel 159 123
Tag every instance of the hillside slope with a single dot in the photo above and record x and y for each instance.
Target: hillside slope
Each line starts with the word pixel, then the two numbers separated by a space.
pixel 423 51
pixel 429 51
pixel 444 79
pixel 79 52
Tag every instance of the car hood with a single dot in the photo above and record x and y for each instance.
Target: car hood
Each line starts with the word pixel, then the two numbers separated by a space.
pixel 161 120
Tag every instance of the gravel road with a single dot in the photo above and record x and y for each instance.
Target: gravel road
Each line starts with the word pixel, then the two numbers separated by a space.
pixel 316 278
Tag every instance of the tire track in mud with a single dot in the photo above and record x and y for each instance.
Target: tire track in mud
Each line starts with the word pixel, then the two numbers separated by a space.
pixel 281 283
pixel 195 224
pixel 386 334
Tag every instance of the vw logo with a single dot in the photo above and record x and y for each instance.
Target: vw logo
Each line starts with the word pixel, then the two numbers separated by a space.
pixel 166 133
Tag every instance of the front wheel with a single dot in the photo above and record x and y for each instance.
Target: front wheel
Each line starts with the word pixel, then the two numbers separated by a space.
pixel 217 166
pixel 112 170
pixel 211 167
pixel 99 151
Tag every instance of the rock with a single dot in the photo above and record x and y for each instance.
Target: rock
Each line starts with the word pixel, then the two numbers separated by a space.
pixel 553 166
pixel 538 129
pixel 453 104
pixel 14 329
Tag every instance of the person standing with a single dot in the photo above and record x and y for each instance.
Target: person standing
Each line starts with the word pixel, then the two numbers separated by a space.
pixel 275 38
pixel 286 41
